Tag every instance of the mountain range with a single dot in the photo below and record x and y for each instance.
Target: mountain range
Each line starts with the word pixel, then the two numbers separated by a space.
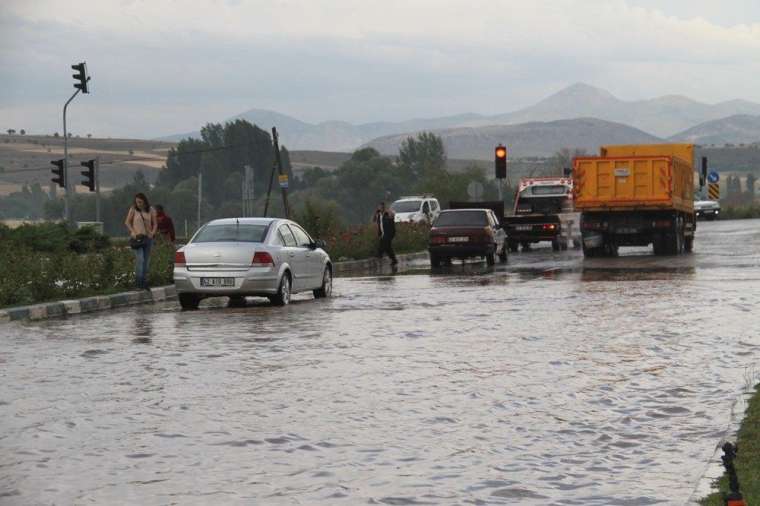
pixel 671 117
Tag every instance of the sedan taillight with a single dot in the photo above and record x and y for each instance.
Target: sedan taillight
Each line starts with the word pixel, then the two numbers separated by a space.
pixel 262 258
pixel 438 239
pixel 179 259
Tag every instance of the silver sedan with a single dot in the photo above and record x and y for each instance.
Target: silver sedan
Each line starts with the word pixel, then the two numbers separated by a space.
pixel 239 257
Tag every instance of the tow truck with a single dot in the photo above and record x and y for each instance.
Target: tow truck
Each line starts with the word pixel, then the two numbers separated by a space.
pixel 544 211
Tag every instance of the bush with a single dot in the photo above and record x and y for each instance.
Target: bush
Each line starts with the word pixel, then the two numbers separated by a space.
pixel 361 242
pixel 47 262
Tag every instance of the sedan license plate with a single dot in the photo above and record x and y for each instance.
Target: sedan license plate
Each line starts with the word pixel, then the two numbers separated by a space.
pixel 524 228
pixel 459 239
pixel 223 282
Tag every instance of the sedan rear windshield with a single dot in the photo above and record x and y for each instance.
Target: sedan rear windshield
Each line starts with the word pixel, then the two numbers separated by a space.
pixel 407 206
pixel 462 219
pixel 232 233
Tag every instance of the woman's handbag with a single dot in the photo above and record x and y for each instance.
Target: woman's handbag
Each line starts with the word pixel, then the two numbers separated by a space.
pixel 138 241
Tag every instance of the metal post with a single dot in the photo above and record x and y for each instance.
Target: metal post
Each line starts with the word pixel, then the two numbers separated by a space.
pixel 97 189
pixel 276 141
pixel 67 187
pixel 200 196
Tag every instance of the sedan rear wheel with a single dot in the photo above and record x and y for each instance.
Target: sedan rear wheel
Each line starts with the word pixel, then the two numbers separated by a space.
pixel 326 289
pixel 283 292
pixel 189 301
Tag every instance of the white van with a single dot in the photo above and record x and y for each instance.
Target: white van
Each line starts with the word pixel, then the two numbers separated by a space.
pixel 416 209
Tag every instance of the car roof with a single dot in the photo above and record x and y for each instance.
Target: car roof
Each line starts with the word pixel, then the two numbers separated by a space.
pixel 243 221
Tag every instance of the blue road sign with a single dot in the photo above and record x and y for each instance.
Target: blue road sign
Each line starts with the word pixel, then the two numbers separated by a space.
pixel 713 177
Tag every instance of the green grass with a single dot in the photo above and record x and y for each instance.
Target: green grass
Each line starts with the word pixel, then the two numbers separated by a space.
pixel 748 458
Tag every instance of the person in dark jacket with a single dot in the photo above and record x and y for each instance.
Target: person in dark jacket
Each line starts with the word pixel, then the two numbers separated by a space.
pixel 165 224
pixel 386 231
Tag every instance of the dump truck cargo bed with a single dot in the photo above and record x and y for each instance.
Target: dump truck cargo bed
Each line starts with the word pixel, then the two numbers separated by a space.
pixel 629 183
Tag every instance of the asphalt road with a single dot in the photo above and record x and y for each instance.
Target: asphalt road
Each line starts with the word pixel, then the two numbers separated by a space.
pixel 549 380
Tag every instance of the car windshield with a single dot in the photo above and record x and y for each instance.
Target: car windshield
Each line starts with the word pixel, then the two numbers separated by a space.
pixel 232 233
pixel 462 218
pixel 406 206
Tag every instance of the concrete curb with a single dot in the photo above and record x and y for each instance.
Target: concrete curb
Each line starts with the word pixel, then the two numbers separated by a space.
pixel 63 308
pixel 87 305
pixel 371 265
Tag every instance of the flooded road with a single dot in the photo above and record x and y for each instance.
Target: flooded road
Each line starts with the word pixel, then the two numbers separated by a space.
pixel 551 380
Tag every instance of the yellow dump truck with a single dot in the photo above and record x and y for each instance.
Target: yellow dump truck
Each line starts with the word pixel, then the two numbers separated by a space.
pixel 636 195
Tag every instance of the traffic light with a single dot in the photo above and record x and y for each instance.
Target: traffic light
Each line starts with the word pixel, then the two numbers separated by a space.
pixel 60 172
pixel 89 174
pixel 81 76
pixel 500 162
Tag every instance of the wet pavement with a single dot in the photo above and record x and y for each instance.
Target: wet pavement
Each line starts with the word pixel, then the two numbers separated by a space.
pixel 551 380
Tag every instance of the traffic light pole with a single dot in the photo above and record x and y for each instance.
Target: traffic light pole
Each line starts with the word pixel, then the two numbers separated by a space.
pixel 97 188
pixel 67 189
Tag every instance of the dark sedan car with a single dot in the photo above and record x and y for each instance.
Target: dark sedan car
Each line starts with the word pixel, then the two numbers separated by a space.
pixel 467 233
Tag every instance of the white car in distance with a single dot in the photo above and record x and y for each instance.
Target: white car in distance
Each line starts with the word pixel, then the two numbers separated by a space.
pixel 416 209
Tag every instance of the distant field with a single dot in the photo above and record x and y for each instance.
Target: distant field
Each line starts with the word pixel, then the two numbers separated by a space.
pixel 26 159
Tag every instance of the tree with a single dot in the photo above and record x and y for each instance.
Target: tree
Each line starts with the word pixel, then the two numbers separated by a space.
pixel 89 136
pixel 751 179
pixel 22 132
pixel 422 156
pixel 11 131
pixel 563 159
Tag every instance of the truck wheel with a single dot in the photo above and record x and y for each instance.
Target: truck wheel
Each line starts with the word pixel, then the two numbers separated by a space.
pixel 490 259
pixel 514 246
pixel 435 260
pixel 555 245
pixel 688 244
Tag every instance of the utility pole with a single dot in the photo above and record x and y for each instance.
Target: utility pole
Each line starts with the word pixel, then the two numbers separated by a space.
pixel 283 175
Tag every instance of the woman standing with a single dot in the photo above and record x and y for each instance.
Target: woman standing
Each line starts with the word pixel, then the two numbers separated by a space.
pixel 141 222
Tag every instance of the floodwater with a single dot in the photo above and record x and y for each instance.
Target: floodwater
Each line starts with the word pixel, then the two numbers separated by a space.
pixel 552 380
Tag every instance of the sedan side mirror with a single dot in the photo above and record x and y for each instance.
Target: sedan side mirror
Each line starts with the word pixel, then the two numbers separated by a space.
pixel 319 243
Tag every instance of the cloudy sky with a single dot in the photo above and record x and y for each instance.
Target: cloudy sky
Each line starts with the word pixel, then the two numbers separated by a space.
pixel 161 67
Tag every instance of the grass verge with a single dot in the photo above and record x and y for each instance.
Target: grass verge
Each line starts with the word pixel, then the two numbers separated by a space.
pixel 747 460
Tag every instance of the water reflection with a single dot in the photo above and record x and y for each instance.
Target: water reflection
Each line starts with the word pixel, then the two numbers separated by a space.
pixel 142 329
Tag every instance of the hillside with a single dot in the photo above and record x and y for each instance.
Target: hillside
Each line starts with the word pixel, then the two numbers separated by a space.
pixel 527 139
pixel 738 129
pixel 662 116
pixel 25 159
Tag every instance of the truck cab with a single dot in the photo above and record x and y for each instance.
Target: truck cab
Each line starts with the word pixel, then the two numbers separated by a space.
pixel 544 212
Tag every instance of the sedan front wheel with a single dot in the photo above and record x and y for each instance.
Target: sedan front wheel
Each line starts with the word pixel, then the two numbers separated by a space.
pixel 326 289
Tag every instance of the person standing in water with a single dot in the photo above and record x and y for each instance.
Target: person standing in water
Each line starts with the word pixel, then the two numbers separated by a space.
pixel 141 222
